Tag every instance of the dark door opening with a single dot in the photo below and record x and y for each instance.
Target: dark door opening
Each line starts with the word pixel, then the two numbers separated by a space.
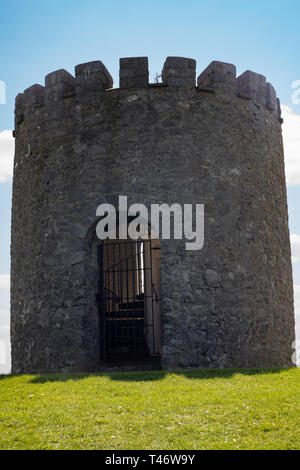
pixel 129 300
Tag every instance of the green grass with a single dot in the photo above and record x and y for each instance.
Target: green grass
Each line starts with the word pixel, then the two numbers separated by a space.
pixel 215 409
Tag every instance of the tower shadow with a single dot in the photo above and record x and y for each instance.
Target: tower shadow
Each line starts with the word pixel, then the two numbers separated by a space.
pixel 148 376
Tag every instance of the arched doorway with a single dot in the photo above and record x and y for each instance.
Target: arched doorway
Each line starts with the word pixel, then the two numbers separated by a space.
pixel 129 299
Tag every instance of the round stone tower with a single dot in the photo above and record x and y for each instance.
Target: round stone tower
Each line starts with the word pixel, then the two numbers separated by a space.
pixel 80 143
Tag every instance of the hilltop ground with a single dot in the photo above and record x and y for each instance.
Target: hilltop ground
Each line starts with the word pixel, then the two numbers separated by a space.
pixel 194 409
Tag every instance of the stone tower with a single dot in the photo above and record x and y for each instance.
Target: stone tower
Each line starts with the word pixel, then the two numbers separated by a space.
pixel 79 143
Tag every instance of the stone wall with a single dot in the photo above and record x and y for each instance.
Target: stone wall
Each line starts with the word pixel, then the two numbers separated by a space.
pixel 80 142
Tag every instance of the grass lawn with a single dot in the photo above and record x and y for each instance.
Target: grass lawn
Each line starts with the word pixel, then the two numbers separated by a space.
pixel 194 409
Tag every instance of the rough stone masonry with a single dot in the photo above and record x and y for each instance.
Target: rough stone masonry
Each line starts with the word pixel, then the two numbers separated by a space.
pixel 80 142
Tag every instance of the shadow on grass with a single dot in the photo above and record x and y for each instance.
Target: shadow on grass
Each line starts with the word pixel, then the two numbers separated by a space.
pixel 144 376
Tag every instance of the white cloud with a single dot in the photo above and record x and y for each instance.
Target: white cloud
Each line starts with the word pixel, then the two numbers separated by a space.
pixel 4 300
pixel 295 247
pixel 4 281
pixel 4 342
pixel 7 146
pixel 297 308
pixel 3 312
pixel 2 353
pixel 297 320
pixel 4 318
pixel 291 140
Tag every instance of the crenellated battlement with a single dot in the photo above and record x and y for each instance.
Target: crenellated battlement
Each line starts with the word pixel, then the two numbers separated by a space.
pixel 177 72
pixel 219 76
pixel 93 76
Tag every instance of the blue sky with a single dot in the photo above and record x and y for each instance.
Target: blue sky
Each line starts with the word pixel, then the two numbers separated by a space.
pixel 40 36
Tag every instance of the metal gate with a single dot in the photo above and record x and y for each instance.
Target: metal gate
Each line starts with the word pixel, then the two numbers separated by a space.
pixel 128 301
